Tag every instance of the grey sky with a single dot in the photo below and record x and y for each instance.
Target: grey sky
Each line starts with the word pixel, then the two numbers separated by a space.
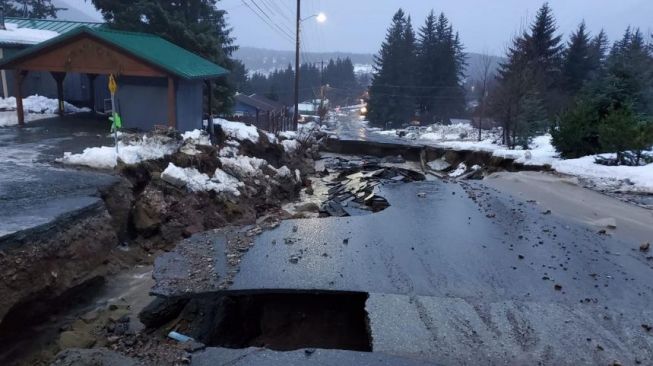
pixel 360 25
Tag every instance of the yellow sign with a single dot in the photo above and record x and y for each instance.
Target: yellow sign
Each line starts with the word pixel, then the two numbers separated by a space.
pixel 112 84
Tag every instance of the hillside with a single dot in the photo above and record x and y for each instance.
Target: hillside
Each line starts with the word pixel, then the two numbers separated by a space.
pixel 265 60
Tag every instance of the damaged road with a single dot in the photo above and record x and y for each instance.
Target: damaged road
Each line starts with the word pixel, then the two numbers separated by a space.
pixel 512 284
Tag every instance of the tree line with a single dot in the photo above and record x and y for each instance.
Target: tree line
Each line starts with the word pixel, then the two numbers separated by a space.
pixel 417 76
pixel 591 97
pixel 335 79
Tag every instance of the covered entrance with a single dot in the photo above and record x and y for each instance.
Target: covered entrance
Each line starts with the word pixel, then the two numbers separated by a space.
pixel 159 83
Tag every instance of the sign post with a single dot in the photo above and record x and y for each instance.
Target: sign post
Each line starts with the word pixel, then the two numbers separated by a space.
pixel 116 122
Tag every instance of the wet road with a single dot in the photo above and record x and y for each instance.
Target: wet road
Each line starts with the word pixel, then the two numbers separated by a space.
pixel 463 275
pixel 351 126
pixel 33 189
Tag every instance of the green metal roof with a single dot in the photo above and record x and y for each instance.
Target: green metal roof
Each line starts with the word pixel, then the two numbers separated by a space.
pixel 147 47
pixel 59 26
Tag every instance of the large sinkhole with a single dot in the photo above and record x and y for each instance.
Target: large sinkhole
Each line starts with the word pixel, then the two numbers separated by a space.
pixel 290 321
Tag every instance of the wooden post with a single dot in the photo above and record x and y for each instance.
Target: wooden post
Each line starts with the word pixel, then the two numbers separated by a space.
pixel 59 78
pixel 18 79
pixel 91 90
pixel 172 103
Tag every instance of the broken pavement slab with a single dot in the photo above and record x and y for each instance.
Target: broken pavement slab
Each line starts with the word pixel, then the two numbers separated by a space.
pixel 456 291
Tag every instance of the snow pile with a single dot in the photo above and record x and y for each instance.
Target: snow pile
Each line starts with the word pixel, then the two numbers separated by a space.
pixel 13 34
pixel 290 145
pixel 243 166
pixel 39 104
pixel 288 135
pixel 105 157
pixel 460 170
pixel 237 130
pixel 195 181
pixel 197 137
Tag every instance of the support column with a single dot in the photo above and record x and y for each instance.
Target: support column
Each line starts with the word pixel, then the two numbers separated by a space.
pixel 59 78
pixel 172 103
pixel 19 75
pixel 91 90
pixel 209 118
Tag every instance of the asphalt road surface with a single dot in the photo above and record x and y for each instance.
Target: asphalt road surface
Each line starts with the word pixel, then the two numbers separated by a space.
pixel 457 273
pixel 34 190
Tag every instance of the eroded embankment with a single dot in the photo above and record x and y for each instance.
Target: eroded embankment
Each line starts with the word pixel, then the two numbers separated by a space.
pixel 470 158
pixel 47 271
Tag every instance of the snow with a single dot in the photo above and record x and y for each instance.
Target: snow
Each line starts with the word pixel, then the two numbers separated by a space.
pixel 463 136
pixel 9 118
pixel 195 181
pixel 288 135
pixel 290 145
pixel 243 166
pixel 133 151
pixel 34 104
pixel 28 36
pixel 237 130
pixel 460 170
pixel 198 137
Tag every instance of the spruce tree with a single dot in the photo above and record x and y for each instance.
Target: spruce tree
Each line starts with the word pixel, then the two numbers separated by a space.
pixel 390 103
pixel 440 66
pixel 531 76
pixel 578 63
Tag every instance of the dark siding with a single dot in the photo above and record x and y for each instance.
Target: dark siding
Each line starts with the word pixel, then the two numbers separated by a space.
pixel 189 105
pixel 142 102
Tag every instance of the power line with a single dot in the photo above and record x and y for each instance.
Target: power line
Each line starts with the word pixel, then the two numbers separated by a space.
pixel 272 25
pixel 286 31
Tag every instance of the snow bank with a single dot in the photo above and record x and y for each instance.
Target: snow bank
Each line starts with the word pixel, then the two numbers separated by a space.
pixel 636 178
pixel 195 181
pixel 237 130
pixel 105 157
pixel 39 104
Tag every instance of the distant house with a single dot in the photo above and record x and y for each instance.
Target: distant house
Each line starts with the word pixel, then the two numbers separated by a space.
pixel 159 83
pixel 21 33
pixel 260 111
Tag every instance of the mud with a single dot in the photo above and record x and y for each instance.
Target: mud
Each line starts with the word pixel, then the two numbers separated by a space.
pixel 52 277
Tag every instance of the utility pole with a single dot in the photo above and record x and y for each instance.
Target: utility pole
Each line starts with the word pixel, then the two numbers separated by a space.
pixel 296 115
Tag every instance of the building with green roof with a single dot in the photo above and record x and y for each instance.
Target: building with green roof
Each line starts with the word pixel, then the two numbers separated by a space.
pixel 159 83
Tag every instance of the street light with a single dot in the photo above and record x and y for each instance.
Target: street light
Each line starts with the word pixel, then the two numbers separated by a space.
pixel 321 18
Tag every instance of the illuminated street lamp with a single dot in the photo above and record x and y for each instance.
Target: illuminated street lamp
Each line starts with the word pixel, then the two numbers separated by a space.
pixel 321 18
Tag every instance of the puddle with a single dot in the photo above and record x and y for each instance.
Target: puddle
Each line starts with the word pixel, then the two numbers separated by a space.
pixel 291 321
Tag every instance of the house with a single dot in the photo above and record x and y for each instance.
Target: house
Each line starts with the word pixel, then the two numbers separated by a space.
pixel 22 33
pixel 260 111
pixel 159 83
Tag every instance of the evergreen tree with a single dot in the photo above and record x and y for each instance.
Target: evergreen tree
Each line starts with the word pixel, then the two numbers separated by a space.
pixel 440 65
pixel 578 63
pixel 532 72
pixel 631 63
pixel 196 25
pixel 391 101
pixel 37 9
pixel 598 51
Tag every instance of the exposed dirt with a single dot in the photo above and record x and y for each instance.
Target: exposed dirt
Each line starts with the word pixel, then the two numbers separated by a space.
pixel 53 278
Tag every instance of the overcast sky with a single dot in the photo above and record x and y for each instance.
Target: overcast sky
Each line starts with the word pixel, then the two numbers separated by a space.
pixel 360 25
